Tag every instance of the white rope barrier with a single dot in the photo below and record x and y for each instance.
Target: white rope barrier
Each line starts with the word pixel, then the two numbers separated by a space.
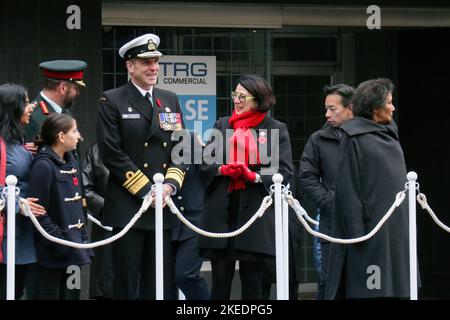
pixel 422 199
pixel 301 212
pixel 94 220
pixel 283 193
pixel 145 204
pixel 266 203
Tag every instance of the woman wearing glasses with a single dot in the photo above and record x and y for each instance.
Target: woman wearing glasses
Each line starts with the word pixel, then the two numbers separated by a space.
pixel 254 147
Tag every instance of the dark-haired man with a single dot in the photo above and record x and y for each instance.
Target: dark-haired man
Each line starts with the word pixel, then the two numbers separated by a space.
pixel 318 165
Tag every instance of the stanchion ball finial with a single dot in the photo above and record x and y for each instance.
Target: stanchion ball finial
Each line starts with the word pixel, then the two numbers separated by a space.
pixel 411 176
pixel 11 180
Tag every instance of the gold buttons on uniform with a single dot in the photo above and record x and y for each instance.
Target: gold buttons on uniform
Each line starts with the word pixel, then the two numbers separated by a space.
pixel 146 144
pixel 145 165
pixel 164 165
pixel 180 197
pixel 182 208
pixel 165 144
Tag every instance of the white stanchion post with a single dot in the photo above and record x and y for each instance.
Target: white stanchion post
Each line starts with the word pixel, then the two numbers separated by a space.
pixel 159 178
pixel 277 179
pixel 11 182
pixel 412 177
pixel 286 248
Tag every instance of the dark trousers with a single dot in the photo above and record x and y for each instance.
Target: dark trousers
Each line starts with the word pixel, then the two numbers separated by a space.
pixel 133 258
pixel 101 271
pixel 19 281
pixel 250 271
pixel 53 284
pixel 324 250
pixel 187 270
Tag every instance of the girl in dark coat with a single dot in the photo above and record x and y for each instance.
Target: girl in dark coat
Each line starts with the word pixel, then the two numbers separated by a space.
pixel 55 179
pixel 371 171
pixel 237 182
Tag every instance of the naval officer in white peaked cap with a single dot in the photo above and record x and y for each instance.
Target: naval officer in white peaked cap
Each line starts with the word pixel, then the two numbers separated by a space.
pixel 144 46
pixel 135 124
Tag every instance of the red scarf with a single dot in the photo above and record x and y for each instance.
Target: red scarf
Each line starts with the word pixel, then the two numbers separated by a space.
pixel 243 147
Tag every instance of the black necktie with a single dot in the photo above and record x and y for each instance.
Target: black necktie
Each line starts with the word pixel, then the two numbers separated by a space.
pixel 149 98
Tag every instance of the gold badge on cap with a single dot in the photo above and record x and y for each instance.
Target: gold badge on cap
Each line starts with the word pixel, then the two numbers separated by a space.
pixel 151 45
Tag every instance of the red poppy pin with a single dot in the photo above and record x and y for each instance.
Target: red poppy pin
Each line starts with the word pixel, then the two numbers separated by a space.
pixel 75 181
pixel 158 103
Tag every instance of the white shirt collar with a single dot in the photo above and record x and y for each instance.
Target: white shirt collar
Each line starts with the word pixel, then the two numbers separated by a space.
pixel 142 91
pixel 52 103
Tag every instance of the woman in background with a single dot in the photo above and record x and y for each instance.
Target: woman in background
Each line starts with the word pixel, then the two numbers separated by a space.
pixel 372 171
pixel 15 111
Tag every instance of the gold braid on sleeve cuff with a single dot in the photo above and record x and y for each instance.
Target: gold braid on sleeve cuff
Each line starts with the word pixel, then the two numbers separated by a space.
pixel 135 181
pixel 175 174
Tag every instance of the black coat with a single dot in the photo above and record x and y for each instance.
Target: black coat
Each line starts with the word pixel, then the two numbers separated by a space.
pixel 317 172
pixel 95 179
pixel 134 148
pixel 371 172
pixel 190 198
pixel 260 237
pixel 53 188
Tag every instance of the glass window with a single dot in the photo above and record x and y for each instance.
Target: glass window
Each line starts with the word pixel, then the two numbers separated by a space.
pixel 305 49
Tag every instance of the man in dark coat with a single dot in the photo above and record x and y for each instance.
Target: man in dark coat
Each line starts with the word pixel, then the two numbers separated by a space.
pixel 371 171
pixel 136 123
pixel 317 170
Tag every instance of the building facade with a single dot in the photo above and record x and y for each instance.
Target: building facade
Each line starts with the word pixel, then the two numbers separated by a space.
pixel 299 46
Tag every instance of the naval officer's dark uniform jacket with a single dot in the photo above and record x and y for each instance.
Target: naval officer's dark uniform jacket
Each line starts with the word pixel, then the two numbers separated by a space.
pixel 134 148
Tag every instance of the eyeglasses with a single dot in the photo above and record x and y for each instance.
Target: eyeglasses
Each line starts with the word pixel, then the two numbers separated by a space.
pixel 240 96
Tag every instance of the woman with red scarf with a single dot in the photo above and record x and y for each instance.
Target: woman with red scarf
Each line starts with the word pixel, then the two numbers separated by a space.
pixel 254 148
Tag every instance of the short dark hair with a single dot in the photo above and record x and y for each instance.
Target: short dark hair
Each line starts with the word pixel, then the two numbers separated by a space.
pixel 52 125
pixel 260 89
pixel 51 84
pixel 12 105
pixel 371 95
pixel 345 91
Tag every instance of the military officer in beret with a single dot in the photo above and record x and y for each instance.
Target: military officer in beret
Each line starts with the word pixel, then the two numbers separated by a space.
pixel 135 126
pixel 63 80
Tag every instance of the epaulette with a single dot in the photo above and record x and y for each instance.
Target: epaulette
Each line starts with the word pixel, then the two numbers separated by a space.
pixel 44 108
